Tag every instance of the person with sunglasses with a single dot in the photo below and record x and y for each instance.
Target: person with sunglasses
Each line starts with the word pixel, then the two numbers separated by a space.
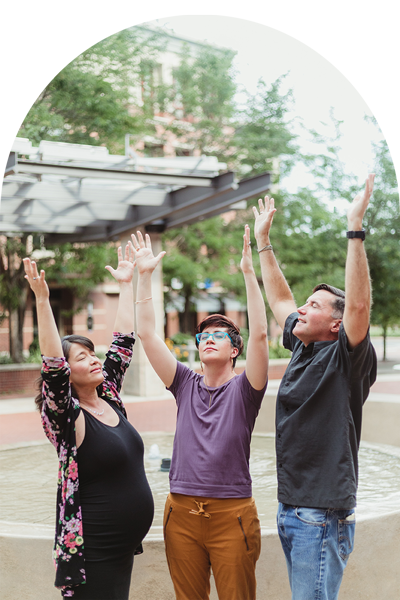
pixel 210 517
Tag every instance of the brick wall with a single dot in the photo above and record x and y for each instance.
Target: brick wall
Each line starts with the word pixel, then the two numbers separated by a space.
pixel 18 380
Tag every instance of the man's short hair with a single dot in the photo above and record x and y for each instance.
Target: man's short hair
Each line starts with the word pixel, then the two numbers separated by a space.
pixel 217 320
pixel 337 303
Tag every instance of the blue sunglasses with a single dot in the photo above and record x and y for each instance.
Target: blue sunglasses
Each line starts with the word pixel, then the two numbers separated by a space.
pixel 217 335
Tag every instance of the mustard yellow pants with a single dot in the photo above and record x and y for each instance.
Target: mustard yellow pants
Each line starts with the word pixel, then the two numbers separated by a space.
pixel 222 533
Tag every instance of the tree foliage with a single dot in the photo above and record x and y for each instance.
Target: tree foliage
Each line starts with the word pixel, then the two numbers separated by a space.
pixel 309 242
pixel 382 224
pixel 93 100
pixel 78 267
pixel 208 250
pixel 381 221
pixel 202 99
pixel 104 93
pixel 262 131
pixel 257 133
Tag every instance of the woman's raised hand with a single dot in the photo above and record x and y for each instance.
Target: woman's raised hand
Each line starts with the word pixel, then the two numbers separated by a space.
pixel 37 282
pixel 145 260
pixel 124 272
pixel 246 264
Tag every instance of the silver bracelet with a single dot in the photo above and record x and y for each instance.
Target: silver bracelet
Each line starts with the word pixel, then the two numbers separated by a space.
pixel 269 247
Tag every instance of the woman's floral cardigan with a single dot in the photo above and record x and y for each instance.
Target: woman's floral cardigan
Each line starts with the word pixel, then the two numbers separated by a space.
pixel 59 413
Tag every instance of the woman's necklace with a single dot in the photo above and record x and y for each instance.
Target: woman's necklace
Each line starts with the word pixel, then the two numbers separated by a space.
pixel 95 412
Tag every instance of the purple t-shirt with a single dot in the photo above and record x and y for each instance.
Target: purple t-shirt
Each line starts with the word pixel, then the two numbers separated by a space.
pixel 212 444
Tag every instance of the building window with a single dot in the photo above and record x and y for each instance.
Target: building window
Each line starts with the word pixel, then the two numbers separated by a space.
pixel 183 152
pixel 153 150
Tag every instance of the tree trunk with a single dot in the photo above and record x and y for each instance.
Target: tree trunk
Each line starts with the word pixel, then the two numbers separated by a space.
pixel 186 314
pixel 16 327
pixel 384 342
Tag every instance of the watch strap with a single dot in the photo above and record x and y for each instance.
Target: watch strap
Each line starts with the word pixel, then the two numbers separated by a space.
pixel 356 234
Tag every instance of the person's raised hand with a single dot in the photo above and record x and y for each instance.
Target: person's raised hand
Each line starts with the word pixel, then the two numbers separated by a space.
pixel 263 219
pixel 124 271
pixel 145 260
pixel 359 205
pixel 36 281
pixel 246 264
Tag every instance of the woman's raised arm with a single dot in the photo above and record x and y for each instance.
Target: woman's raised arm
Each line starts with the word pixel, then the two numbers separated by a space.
pixel 124 320
pixel 49 339
pixel 257 346
pixel 156 350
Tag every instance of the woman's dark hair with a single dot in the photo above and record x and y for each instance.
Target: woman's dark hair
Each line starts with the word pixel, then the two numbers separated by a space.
pixel 66 343
pixel 233 331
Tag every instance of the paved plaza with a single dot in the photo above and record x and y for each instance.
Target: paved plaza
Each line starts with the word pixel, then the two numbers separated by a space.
pixel 28 471
pixel 20 422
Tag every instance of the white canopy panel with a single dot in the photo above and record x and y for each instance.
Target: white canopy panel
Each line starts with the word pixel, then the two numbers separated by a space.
pixel 85 193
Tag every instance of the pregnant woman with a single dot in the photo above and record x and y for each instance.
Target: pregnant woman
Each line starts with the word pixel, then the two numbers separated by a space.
pixel 104 503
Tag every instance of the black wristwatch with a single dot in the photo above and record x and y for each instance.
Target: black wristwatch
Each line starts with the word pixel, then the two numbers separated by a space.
pixel 356 234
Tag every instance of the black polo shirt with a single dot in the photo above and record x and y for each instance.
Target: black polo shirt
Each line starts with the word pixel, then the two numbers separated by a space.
pixel 318 419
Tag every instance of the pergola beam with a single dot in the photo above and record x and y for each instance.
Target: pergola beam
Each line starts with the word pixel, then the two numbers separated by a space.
pixel 42 168
pixel 98 192
pixel 147 218
pixel 211 207
pixel 83 194
pixel 183 199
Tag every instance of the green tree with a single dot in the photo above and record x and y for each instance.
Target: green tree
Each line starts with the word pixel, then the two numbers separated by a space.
pixel 309 242
pixel 263 132
pixel 381 221
pixel 206 250
pixel 78 267
pixel 202 99
pixel 382 224
pixel 212 249
pixel 384 262
pixel 13 291
pixel 93 99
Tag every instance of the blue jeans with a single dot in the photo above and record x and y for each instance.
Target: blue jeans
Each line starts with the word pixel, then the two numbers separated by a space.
pixel 317 543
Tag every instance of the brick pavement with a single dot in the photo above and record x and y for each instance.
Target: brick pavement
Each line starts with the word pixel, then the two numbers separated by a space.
pixel 20 427
pixel 20 422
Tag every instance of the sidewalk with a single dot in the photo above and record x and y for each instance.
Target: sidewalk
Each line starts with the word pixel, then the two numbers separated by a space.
pixel 20 421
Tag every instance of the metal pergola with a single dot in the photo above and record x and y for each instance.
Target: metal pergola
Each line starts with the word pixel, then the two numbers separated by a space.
pixel 77 193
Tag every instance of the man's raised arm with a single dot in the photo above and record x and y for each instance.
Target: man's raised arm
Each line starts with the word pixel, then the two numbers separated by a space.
pixel 357 281
pixel 278 293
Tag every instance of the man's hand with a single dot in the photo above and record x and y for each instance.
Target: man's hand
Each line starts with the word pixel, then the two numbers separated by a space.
pixel 145 260
pixel 263 220
pixel 359 205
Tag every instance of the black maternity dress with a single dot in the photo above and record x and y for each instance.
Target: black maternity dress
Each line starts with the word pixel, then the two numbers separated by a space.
pixel 117 506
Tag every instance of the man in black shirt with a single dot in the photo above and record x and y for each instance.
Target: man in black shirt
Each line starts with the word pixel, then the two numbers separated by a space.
pixel 319 408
